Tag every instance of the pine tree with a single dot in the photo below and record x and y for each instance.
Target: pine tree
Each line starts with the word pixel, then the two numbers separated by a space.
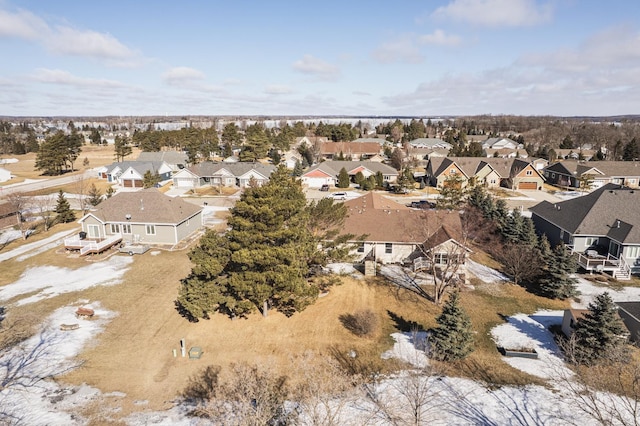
pixel 63 209
pixel 297 169
pixel 556 282
pixel 95 196
pixel 452 339
pixel 343 178
pixel 262 262
pixel 600 335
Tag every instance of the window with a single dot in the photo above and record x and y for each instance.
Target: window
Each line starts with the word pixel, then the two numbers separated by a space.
pixel 151 229
pixel 553 175
pixel 453 171
pixel 126 228
pixel 529 172
pixel 591 241
pixel 633 252
pixel 441 258
pixel 388 248
pixel 361 248
pixel 115 228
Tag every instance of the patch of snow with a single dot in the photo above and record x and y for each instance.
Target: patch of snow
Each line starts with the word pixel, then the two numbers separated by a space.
pixel 50 281
pixel 57 238
pixel 589 290
pixel 10 235
pixel 28 395
pixel 155 252
pixel 484 273
pixel 409 347
pixel 342 268
pixel 531 332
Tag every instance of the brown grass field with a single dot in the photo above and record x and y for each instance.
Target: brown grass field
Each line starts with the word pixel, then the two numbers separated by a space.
pixel 134 353
pixel 96 155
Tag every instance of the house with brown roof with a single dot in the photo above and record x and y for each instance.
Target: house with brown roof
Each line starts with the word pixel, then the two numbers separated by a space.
pixel 395 233
pixel 602 227
pixel 490 172
pixel 147 216
pixel 326 173
pixel 570 173
pixel 209 173
pixel 352 150
pixel 9 215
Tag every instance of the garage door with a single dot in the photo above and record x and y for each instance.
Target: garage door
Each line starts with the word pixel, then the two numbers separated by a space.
pixel 184 183
pixel 138 183
pixel 316 182
pixel 127 183
pixel 528 185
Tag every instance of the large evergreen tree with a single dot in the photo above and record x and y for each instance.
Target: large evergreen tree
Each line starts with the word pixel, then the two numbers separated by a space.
pixel 556 281
pixel 263 260
pixel 343 178
pixel 63 209
pixel 452 339
pixel 121 148
pixel 600 335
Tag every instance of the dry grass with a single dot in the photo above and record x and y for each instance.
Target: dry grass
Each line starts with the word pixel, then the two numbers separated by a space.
pixel 213 190
pixel 97 156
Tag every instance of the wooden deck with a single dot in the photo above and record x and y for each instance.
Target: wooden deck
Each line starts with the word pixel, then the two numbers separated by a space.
pixel 617 267
pixel 88 246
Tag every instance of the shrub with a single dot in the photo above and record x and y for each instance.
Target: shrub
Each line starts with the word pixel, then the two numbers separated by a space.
pixel 361 323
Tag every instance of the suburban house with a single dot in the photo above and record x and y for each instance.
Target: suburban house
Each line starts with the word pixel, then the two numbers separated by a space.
pixel 379 141
pixel 310 141
pixel 8 215
pixel 491 172
pixel 602 227
pixel 505 153
pixel 395 233
pixel 239 174
pixel 500 143
pixel 290 158
pixel 177 160
pixel 146 217
pixel 429 143
pixel 130 174
pixel 630 314
pixel 326 173
pixel 353 150
pixel 569 173
pixel 573 154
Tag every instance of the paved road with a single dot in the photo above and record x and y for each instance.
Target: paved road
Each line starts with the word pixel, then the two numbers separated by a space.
pixel 45 183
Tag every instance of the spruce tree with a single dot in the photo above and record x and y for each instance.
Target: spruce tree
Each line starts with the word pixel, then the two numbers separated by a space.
pixel 452 339
pixel 63 209
pixel 600 335
pixel 95 196
pixel 263 260
pixel 343 178
pixel 556 282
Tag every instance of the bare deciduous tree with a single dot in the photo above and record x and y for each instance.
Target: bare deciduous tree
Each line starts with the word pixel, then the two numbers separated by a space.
pixel 520 262
pixel 44 206
pixel 19 202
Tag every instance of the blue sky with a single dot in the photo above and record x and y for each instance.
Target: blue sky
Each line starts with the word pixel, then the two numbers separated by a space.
pixel 349 57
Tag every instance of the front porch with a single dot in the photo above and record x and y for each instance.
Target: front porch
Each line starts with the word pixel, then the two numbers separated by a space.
pixel 91 245
pixel 592 261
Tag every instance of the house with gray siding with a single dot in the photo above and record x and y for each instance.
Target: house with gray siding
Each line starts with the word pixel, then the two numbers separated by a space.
pixel 602 228
pixel 147 216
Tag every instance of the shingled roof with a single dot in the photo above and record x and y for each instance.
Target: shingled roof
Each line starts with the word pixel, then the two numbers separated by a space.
pixel 145 206
pixel 384 220
pixel 209 168
pixel 609 210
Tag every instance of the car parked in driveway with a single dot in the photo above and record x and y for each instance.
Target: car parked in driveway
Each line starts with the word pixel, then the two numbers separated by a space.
pixel 338 196
pixel 324 187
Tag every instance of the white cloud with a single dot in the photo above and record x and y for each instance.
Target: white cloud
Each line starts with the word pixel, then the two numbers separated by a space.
pixel 400 50
pixel 182 76
pixel 440 38
pixel 60 77
pixel 579 81
pixel 65 40
pixel 314 66
pixel 496 13
pixel 73 42
pixel 21 24
pixel 277 89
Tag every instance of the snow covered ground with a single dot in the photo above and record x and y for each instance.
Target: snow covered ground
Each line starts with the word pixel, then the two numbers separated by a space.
pixel 31 249
pixel 436 399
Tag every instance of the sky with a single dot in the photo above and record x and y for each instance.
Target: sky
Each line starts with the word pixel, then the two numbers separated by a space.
pixel 354 58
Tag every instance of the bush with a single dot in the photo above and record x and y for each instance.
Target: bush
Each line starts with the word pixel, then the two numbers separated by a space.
pixel 361 323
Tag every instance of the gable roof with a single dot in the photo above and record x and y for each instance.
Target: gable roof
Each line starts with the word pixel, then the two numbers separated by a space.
pixel 171 157
pixel 609 210
pixel 384 220
pixel 145 206
pixel 605 168
pixel 209 168
pixel 350 148
pixel 430 143
pixel 332 168
pixel 139 166
pixel 631 308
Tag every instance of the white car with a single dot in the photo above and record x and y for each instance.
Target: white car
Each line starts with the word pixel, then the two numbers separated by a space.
pixel 339 196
